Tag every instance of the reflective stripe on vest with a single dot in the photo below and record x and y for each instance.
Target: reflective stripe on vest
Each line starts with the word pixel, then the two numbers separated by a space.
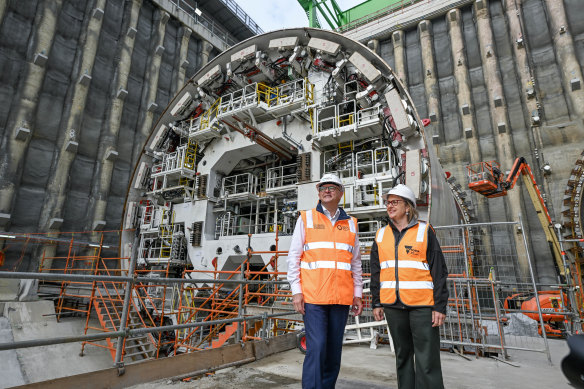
pixel 406 265
pixel 414 281
pixel 325 264
pixel 328 245
pixel 408 285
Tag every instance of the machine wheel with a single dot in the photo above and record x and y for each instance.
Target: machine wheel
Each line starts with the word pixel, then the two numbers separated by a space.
pixel 301 341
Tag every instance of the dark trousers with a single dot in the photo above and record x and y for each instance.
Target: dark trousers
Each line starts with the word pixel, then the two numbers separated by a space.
pixel 324 326
pixel 417 348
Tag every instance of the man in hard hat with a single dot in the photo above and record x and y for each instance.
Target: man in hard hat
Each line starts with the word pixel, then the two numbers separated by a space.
pixel 324 272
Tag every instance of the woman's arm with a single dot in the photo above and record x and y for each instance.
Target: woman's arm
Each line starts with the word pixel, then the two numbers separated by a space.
pixel 438 270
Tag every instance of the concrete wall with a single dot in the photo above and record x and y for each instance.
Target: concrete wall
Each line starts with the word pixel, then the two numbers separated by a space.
pixel 81 83
pixel 466 71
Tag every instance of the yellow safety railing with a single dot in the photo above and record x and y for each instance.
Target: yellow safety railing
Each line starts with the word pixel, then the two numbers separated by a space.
pixel 166 231
pixel 190 155
pixel 308 92
pixel 345 120
pixel 209 115
pixel 347 145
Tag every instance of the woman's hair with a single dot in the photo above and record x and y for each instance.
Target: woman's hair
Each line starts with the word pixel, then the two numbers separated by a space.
pixel 412 212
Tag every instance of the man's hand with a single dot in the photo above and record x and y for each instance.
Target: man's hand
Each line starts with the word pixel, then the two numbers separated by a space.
pixel 298 302
pixel 437 319
pixel 357 306
pixel 378 314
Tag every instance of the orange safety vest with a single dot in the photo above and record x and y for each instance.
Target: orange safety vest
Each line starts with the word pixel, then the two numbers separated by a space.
pixel 414 280
pixel 325 264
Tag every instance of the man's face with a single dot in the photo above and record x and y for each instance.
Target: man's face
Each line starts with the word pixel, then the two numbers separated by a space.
pixel 330 194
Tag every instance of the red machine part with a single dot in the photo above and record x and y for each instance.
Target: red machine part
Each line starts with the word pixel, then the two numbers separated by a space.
pixel 552 302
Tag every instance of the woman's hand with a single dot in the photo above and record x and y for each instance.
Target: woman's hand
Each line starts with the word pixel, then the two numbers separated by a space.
pixel 378 314
pixel 437 319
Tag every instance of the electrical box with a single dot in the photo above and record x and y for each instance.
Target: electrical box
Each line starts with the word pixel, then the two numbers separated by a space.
pixel 324 45
pixel 369 71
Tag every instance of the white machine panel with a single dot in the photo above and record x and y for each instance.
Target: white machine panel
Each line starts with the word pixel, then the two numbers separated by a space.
pixel 142 176
pixel 324 45
pixel 156 142
pixel 244 53
pixel 370 72
pixel 402 120
pixel 209 76
pixel 413 173
pixel 307 196
pixel 130 215
pixel 289 41
pixel 183 104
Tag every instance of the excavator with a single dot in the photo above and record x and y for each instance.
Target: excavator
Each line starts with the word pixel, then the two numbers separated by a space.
pixel 487 179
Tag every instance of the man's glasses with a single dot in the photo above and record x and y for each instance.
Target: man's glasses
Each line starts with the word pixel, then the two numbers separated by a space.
pixel 393 203
pixel 331 188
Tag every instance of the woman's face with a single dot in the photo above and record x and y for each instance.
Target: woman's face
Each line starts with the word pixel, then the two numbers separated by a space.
pixel 396 207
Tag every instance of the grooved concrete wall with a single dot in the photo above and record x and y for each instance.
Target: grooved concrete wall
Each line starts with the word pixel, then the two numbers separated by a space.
pixel 75 87
pixel 477 62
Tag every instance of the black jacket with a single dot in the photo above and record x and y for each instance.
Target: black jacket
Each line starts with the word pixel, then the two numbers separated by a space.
pixel 436 262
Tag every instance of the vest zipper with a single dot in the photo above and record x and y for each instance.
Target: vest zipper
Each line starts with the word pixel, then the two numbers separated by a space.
pixel 336 258
pixel 396 265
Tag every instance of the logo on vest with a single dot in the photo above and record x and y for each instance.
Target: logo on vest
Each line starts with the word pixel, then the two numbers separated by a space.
pixel 343 228
pixel 411 250
pixel 319 226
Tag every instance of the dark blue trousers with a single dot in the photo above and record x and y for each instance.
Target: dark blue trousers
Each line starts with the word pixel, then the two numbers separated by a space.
pixel 324 326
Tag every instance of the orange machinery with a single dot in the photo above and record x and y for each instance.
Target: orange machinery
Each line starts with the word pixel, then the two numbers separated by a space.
pixel 553 305
pixel 487 179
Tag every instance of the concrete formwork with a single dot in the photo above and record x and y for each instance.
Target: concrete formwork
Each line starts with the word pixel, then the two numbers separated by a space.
pixel 82 82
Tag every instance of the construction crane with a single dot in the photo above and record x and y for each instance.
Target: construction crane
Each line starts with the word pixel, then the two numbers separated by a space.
pixel 336 18
pixel 487 179
pixel 329 9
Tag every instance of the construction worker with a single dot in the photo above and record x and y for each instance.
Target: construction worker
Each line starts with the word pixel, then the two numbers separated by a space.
pixel 408 282
pixel 324 272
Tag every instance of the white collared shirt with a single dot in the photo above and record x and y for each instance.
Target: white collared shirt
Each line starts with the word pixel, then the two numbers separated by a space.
pixel 297 248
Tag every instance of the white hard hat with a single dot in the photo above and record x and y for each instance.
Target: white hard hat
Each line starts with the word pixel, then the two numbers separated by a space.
pixel 330 179
pixel 402 191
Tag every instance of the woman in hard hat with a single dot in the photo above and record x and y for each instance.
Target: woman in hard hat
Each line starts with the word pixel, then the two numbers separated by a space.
pixel 408 282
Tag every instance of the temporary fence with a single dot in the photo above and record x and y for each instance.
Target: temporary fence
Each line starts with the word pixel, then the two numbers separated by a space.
pixel 163 310
pixel 492 306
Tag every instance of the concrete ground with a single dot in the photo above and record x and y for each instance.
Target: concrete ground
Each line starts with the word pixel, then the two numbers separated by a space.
pixel 363 367
pixel 36 320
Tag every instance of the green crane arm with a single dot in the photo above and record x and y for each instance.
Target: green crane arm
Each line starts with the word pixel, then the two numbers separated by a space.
pixel 328 9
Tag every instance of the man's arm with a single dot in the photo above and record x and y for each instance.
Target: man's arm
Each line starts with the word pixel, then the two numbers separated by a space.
pixel 293 260
pixel 357 271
